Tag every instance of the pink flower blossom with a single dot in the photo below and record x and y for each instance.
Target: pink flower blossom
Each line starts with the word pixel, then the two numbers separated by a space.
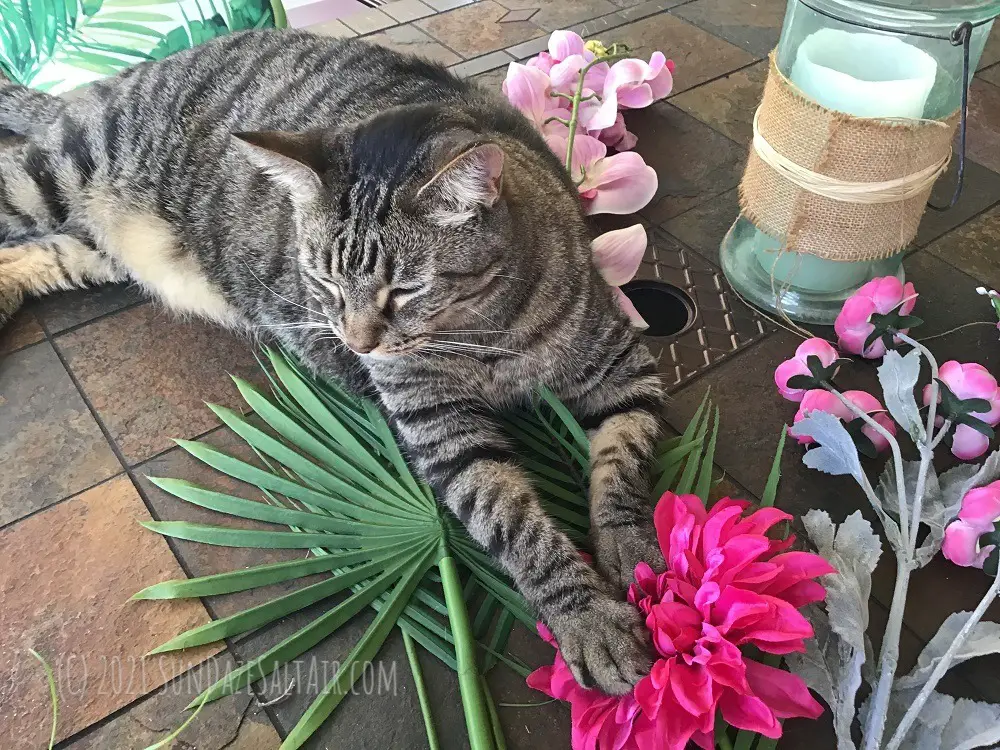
pixel 980 511
pixel 821 400
pixel 632 84
pixel 727 585
pixel 969 380
pixel 617 136
pixel 529 89
pixel 599 721
pixel 820 348
pixel 881 296
pixel 617 255
pixel 616 184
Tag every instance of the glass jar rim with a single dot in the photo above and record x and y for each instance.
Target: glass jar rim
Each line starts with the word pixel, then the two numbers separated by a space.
pixel 902 16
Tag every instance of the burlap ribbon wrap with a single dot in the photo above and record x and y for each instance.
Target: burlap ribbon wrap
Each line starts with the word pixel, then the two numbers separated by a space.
pixel 837 186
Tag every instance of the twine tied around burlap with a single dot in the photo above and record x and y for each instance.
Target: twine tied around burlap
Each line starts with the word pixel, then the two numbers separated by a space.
pixel 836 186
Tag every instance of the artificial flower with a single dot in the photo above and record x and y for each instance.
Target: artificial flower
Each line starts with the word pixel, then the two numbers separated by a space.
pixel 617 255
pixel 617 136
pixel 727 585
pixel 632 84
pixel 529 89
pixel 598 720
pixel 821 400
pixel 969 380
pixel 797 365
pixel 880 296
pixel 616 184
pixel 980 511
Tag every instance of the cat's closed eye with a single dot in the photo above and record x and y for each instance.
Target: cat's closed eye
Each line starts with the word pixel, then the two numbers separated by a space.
pixel 400 295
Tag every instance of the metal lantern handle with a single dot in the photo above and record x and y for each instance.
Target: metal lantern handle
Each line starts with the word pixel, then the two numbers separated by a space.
pixel 960 35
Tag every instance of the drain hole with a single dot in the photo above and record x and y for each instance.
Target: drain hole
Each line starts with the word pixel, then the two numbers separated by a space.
pixel 668 310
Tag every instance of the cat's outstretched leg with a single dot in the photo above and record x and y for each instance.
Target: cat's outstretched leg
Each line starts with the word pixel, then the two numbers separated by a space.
pixel 467 460
pixel 40 266
pixel 624 412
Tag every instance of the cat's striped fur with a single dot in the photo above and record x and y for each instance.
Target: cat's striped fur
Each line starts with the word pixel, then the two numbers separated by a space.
pixel 376 200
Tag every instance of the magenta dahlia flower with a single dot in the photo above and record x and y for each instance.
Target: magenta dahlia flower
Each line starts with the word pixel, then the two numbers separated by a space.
pixel 727 585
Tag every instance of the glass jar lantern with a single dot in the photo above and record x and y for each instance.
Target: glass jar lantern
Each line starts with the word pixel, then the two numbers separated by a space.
pixel 884 59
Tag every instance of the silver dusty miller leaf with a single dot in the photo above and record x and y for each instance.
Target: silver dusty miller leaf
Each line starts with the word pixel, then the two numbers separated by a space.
pixel 973 724
pixel 832 668
pixel 836 453
pixel 982 641
pixel 898 376
pixel 833 660
pixel 930 507
pixel 925 733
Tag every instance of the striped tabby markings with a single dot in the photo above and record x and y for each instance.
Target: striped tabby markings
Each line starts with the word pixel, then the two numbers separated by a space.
pixel 46 265
pixel 148 247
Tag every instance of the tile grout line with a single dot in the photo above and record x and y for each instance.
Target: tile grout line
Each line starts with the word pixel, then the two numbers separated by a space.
pixel 130 473
pixel 60 501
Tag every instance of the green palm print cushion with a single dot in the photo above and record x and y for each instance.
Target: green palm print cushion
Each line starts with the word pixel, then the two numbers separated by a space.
pixel 57 45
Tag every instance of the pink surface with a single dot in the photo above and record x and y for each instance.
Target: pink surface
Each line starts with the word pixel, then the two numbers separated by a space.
pixel 302 13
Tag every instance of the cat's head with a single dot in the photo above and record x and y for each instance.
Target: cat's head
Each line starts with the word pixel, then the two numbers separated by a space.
pixel 406 226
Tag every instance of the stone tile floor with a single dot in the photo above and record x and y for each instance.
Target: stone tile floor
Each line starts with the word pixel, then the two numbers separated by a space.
pixel 94 384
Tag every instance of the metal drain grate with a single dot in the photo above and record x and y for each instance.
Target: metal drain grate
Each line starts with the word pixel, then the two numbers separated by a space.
pixel 723 325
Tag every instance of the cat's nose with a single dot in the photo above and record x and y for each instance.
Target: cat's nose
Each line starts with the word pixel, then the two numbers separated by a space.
pixel 361 336
pixel 360 347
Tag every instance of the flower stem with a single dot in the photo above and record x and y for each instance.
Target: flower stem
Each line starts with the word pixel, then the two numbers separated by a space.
pixel 942 666
pixel 574 117
pixel 927 442
pixel 888 659
pixel 477 717
pixel 897 456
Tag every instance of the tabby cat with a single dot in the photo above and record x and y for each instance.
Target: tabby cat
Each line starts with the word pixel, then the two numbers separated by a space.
pixel 393 226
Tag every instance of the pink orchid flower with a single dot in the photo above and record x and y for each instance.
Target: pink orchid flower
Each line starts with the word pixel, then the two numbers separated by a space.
pixel 882 296
pixel 980 511
pixel 616 184
pixel 821 400
pixel 617 136
pixel 617 255
pixel 529 90
pixel 969 380
pixel 797 366
pixel 727 585
pixel 631 84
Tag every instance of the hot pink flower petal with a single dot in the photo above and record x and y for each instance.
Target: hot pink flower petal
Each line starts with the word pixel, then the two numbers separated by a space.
pixel 968 443
pixel 784 693
pixel 961 544
pixel 880 443
pixel 624 184
pixel 749 712
pixel 881 296
pixel 783 373
pixel 618 253
pixel 982 505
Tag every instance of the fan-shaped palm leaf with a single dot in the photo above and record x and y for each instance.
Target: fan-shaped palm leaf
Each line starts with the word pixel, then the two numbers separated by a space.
pixel 330 471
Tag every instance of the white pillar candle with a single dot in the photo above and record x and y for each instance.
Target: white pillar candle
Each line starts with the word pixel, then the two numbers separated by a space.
pixel 865 75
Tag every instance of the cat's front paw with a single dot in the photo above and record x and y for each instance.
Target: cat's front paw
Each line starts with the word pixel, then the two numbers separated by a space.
pixel 618 550
pixel 606 646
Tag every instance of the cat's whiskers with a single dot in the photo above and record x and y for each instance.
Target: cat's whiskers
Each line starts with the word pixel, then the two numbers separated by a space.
pixel 279 296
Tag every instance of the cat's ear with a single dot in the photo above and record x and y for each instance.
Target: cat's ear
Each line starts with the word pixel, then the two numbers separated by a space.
pixel 293 160
pixel 471 180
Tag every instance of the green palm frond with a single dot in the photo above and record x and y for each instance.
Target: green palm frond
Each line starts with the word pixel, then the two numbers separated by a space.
pixel 334 482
